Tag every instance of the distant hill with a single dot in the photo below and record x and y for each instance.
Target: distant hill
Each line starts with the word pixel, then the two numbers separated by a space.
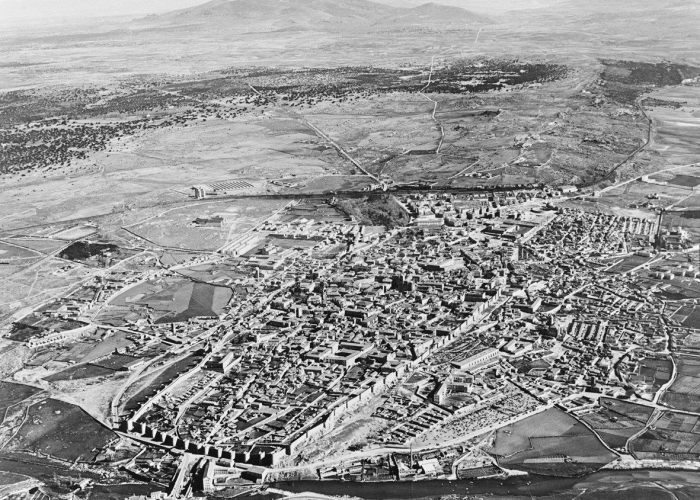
pixel 640 15
pixel 611 28
pixel 267 15
pixel 436 14
pixel 483 7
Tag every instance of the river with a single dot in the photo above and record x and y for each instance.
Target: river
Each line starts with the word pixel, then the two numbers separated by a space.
pixel 609 484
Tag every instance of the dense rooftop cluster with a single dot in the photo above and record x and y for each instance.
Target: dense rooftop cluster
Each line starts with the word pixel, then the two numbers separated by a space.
pixel 484 309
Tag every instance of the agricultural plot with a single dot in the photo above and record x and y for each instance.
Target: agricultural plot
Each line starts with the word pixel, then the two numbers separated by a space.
pixel 105 367
pixel 177 232
pixel 684 393
pixel 163 379
pixel 677 127
pixel 11 394
pixel 175 229
pixel 75 352
pixel 106 345
pixel 61 430
pixel 221 274
pixel 674 436
pixel 16 254
pixel 8 347
pixel 688 219
pixel 515 438
pixel 35 324
pixel 204 301
pixel 627 264
pixel 616 421
pixel 43 245
pixel 684 315
pixel 637 193
pixel 685 180
pixel 693 319
pixel 399 144
pixel 690 203
pixel 680 288
pixel 685 218
pixel 173 258
pixel 90 348
pixel 117 362
pixel 75 232
pixel 173 300
pixel 651 375
pixel 685 341
pixel 550 442
pixel 376 129
pixel 7 478
pixel 119 316
pixel 43 358
pixel 80 372
pixel 677 179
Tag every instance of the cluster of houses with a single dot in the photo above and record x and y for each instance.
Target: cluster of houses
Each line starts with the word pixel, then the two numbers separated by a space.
pixel 485 307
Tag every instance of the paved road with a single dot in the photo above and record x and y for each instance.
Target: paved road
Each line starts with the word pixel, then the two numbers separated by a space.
pixel 341 150
pixel 325 137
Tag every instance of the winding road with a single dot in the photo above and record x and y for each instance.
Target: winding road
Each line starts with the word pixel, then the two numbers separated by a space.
pixel 650 127
pixel 421 92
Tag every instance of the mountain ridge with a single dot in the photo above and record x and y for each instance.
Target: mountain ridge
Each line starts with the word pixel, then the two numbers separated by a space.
pixel 312 14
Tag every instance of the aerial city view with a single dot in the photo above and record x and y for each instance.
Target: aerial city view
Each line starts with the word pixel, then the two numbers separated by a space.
pixel 313 249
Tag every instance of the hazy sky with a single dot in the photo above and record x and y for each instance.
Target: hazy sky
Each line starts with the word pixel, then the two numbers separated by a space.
pixel 26 10
pixel 42 9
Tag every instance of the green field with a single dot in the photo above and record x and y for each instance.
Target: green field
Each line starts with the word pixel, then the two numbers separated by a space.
pixel 12 252
pixel 680 288
pixel 108 345
pixel 677 179
pixel 654 372
pixel 7 478
pixel 616 421
pixel 515 438
pixel 61 430
pixel 212 273
pixel 11 394
pixel 684 393
pixel 80 372
pixel 628 263
pixel 167 376
pixel 176 299
pixel 688 315
pixel 204 301
pixel 116 361
pixel 550 441
pixel 175 231
pixel 674 436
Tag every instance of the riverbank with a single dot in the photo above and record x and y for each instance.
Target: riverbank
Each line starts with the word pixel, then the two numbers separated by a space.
pixel 602 482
